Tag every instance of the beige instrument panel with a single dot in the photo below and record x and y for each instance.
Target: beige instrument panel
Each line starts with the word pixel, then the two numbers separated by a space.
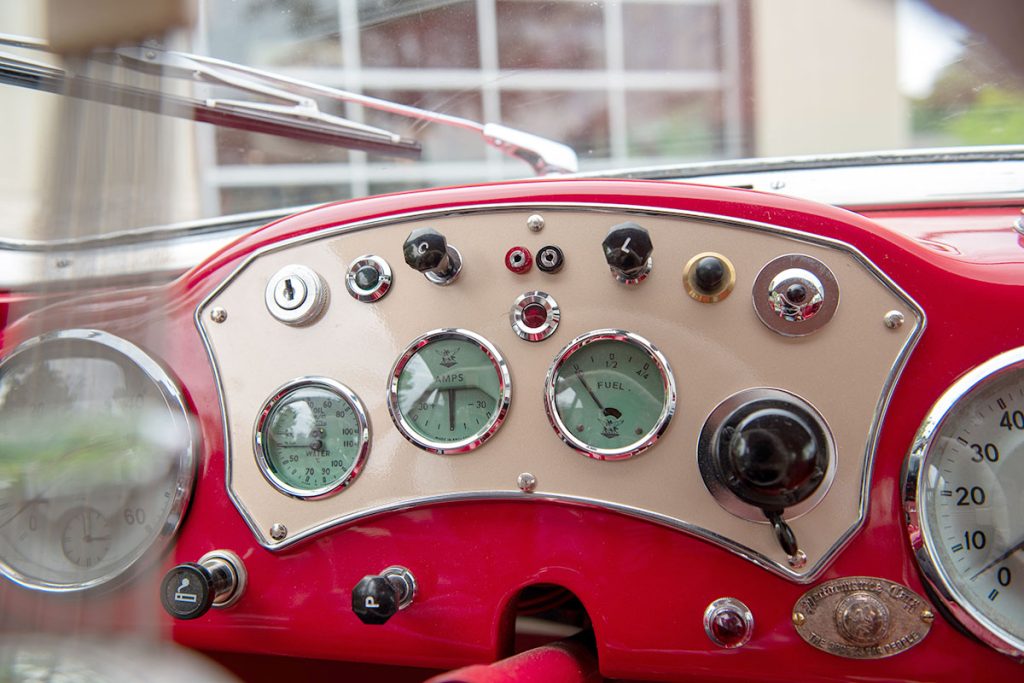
pixel 845 370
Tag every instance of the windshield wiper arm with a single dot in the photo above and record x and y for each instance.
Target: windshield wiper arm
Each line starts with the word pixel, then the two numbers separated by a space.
pixel 545 156
pixel 301 120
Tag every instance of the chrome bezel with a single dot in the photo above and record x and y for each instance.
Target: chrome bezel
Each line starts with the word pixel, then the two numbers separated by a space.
pixel 708 440
pixel 484 433
pixel 183 416
pixel 384 274
pixel 766 314
pixel 732 605
pixel 932 570
pixel 317 296
pixel 645 441
pixel 342 392
pixel 535 334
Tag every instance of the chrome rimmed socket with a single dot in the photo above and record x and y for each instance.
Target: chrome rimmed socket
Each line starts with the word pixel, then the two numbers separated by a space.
pixel 534 316
pixel 368 278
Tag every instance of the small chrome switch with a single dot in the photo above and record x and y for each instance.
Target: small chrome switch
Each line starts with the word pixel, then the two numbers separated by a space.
pixel 368 278
pixel 795 295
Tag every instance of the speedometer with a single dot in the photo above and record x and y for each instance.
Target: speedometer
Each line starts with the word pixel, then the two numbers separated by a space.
pixel 97 462
pixel 964 494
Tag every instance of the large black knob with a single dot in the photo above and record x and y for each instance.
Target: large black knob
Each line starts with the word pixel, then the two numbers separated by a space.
pixel 627 249
pixel 189 590
pixel 772 454
pixel 375 599
pixel 427 251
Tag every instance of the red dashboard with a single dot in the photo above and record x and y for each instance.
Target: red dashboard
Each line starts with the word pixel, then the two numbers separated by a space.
pixel 643 543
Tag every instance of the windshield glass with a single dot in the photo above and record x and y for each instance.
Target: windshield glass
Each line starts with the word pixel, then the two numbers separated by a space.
pixel 625 83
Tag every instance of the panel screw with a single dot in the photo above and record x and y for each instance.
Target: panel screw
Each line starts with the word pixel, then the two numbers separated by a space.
pixel 218 314
pixel 526 482
pixel 278 531
pixel 927 616
pixel 535 222
pixel 893 319
pixel 799 618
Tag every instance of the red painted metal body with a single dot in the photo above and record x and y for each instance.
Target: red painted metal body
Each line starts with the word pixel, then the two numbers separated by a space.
pixel 644 586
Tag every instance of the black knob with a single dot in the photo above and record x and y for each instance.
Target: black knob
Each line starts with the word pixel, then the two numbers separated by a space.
pixel 628 249
pixel 187 591
pixel 709 274
pixel 375 599
pixel 772 454
pixel 426 249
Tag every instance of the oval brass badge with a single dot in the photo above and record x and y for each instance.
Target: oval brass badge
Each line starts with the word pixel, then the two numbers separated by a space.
pixel 862 617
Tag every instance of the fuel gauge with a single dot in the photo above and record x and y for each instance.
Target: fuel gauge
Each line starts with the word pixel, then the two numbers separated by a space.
pixel 312 437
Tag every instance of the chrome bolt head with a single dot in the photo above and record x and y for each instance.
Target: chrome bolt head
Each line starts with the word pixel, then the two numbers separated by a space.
pixel 278 531
pixel 535 222
pixel 218 314
pixel 526 482
pixel 894 320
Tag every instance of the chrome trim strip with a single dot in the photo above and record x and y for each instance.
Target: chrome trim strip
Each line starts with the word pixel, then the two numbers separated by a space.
pixel 188 459
pixel 668 407
pixel 501 405
pixel 343 393
pixel 812 571
pixel 913 502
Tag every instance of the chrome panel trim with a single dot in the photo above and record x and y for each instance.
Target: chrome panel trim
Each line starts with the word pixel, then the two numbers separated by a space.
pixel 342 392
pixel 811 573
pixel 668 382
pixel 188 458
pixel 920 542
pixel 500 409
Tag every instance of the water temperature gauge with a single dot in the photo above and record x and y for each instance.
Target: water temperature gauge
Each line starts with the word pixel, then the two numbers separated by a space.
pixel 312 437
pixel 610 394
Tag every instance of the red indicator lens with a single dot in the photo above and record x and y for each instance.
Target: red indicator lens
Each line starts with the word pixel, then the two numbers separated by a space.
pixel 534 316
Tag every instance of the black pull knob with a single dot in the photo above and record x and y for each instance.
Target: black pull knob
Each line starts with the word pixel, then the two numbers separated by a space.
pixel 427 251
pixel 189 590
pixel 773 454
pixel 377 598
pixel 627 249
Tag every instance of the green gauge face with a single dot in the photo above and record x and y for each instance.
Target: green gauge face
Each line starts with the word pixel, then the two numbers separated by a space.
pixel 449 391
pixel 610 394
pixel 312 438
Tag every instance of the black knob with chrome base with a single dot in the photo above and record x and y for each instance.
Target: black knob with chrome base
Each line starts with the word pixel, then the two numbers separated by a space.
pixel 772 454
pixel 427 251
pixel 377 598
pixel 627 249
pixel 189 590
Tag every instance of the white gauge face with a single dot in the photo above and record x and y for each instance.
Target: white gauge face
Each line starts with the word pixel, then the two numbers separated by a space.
pixel 97 460
pixel 970 494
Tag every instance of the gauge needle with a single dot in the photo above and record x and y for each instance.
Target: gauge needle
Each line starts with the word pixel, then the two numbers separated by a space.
pixel 451 408
pixel 604 411
pixel 1010 551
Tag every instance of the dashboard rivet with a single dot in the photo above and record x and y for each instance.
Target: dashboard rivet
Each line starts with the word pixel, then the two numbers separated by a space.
pixel 278 531
pixel 526 482
pixel 927 616
pixel 535 222
pixel 797 560
pixel 894 319
pixel 799 618
pixel 218 314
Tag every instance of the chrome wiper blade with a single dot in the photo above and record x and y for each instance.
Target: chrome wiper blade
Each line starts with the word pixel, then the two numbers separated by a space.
pixel 545 156
pixel 301 119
